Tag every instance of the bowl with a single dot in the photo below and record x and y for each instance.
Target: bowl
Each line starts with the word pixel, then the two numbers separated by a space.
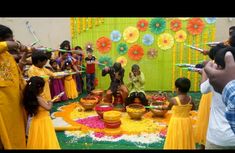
pixel 135 111
pixel 157 112
pixel 112 125
pixel 98 93
pixel 103 107
pixel 88 103
pixel 112 116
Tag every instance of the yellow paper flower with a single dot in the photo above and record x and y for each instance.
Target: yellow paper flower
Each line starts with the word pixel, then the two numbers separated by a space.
pixel 131 34
pixel 122 60
pixel 165 41
pixel 183 18
pixel 180 36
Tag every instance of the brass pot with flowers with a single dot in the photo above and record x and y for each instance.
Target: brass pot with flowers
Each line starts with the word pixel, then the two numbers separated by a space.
pixel 135 111
pixel 89 102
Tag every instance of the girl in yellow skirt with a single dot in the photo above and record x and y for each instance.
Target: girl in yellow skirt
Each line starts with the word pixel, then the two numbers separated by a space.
pixel 69 82
pixel 41 131
pixel 180 131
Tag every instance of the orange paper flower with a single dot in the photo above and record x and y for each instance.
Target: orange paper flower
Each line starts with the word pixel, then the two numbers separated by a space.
pixel 195 26
pixel 103 45
pixel 176 25
pixel 136 52
pixel 142 25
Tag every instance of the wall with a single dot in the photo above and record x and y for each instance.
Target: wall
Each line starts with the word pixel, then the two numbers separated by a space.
pixel 222 26
pixel 50 31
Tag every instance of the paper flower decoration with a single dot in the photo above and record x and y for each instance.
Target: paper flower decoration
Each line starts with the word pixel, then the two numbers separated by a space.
pixel 195 26
pixel 115 35
pixel 176 25
pixel 105 61
pixel 122 60
pixel 210 20
pixel 148 39
pixel 89 45
pixel 142 25
pixel 122 48
pixel 136 52
pixel 131 34
pixel 103 45
pixel 157 25
pixel 180 36
pixel 152 53
pixel 165 41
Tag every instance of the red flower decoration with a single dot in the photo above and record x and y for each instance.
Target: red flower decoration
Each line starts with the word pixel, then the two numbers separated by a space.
pixel 136 52
pixel 176 25
pixel 195 26
pixel 142 25
pixel 103 44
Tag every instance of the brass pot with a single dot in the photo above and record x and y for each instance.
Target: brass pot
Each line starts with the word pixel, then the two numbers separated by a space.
pixel 135 111
pixel 157 112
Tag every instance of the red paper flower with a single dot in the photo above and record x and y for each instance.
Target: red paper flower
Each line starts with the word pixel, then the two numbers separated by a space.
pixel 195 26
pixel 136 52
pixel 103 44
pixel 176 25
pixel 142 25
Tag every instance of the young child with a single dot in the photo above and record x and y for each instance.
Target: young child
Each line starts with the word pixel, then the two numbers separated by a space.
pixel 69 82
pixel 136 86
pixel 180 131
pixel 41 131
pixel 56 84
pixel 39 59
pixel 90 70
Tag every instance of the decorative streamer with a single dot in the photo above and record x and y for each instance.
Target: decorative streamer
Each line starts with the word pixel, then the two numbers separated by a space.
pixel 83 24
pixel 96 21
pixel 89 23
pixel 205 41
pixel 189 53
pixel 102 20
pixel 72 29
pixel 195 74
pixel 79 25
pixel 173 68
pixel 181 56
pixel 76 33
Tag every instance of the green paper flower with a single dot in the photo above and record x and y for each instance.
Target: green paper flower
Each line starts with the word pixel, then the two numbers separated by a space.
pixel 157 25
pixel 122 48
pixel 105 61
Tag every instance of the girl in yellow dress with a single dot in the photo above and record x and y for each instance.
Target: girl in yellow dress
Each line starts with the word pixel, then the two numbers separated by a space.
pixel 69 82
pixel 180 131
pixel 41 131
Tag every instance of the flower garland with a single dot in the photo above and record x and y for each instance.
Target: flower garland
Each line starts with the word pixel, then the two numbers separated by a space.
pixel 165 41
pixel 122 48
pixel 181 57
pixel 115 35
pixel 136 52
pixel 78 25
pixel 175 25
pixel 106 60
pixel 122 60
pixel 83 24
pixel 90 23
pixel 142 25
pixel 189 53
pixel 148 39
pixel 72 27
pixel 157 25
pixel 131 34
pixel 173 68
pixel 195 26
pixel 96 21
pixel 196 74
pixel 103 45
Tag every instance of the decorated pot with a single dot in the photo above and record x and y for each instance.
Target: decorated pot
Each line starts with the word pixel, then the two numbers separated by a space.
pixel 88 103
pixel 135 111
pixel 103 107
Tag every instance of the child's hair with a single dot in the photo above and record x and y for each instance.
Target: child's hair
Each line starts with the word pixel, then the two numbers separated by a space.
pixel 66 63
pixel 219 57
pixel 232 39
pixel 117 66
pixel 65 43
pixel 199 65
pixel 38 56
pixel 5 32
pixel 134 67
pixel 89 50
pixel 78 47
pixel 231 30
pixel 52 61
pixel 215 49
pixel 31 91
pixel 183 84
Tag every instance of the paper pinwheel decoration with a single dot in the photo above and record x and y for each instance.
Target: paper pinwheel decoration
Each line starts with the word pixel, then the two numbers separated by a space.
pixel 105 61
pixel 115 35
pixel 180 36
pixel 210 20
pixel 175 25
pixel 142 25
pixel 152 53
pixel 195 26
pixel 131 34
pixel 157 25
pixel 103 45
pixel 136 52
pixel 165 41
pixel 122 48
pixel 122 60
pixel 148 39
